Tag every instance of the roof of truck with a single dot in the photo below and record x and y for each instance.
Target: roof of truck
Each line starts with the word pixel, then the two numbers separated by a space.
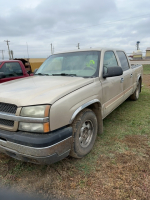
pixel 8 61
pixel 88 49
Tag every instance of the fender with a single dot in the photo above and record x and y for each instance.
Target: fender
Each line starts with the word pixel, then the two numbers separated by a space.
pixel 82 107
pixel 138 77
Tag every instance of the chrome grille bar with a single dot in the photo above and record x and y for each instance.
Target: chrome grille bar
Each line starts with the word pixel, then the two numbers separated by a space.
pixel 23 119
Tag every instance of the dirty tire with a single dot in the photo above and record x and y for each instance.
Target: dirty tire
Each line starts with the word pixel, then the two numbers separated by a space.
pixel 136 93
pixel 84 133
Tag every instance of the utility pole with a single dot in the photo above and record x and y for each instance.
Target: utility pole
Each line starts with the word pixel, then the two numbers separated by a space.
pixel 8 48
pixel 12 54
pixel 78 45
pixel 2 54
pixel 51 49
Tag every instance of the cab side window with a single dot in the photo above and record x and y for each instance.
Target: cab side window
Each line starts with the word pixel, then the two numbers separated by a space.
pixel 123 60
pixel 109 61
pixel 11 69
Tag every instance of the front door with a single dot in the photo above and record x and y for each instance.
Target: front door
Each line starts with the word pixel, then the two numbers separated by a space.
pixel 112 86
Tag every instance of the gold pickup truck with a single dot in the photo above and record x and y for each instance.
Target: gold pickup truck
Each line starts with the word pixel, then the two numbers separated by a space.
pixel 60 110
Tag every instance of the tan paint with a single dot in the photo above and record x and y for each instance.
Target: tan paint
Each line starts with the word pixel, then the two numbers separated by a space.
pixel 63 109
pixel 40 89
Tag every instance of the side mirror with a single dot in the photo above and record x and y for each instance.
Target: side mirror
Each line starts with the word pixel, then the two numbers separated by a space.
pixel 35 70
pixel 2 75
pixel 113 71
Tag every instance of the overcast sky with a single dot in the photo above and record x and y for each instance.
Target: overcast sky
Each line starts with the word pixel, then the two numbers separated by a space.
pixel 35 24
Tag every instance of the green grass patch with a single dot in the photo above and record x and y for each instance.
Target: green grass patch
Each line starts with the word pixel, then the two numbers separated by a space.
pixel 146 69
pixel 17 167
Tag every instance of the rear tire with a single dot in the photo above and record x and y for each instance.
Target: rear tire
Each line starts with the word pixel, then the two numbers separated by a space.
pixel 135 95
pixel 84 133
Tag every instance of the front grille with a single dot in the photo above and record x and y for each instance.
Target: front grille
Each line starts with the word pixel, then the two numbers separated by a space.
pixel 6 122
pixel 8 108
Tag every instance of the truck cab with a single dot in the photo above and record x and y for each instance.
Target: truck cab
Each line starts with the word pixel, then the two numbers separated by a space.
pixel 11 70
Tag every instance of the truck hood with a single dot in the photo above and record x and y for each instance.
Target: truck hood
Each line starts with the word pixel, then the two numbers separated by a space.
pixel 40 89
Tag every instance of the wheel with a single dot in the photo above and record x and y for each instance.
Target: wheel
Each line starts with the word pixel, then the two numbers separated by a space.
pixel 136 93
pixel 84 133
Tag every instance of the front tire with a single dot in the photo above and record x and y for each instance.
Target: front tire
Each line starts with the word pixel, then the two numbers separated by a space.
pixel 84 133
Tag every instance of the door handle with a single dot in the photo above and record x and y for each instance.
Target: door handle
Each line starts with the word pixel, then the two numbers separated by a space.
pixel 121 80
pixel 131 75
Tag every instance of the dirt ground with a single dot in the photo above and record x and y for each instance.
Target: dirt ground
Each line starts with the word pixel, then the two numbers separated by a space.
pixel 146 80
pixel 125 176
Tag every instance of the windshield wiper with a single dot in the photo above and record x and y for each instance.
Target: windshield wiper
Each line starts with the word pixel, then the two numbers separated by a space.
pixel 42 74
pixel 88 76
pixel 64 74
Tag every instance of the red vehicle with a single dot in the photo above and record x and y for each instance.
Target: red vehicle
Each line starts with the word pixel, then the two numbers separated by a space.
pixel 11 70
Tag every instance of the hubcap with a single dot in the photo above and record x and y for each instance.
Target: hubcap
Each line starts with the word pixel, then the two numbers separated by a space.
pixel 86 133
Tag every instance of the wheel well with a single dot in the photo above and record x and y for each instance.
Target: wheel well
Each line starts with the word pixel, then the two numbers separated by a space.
pixel 97 109
pixel 140 80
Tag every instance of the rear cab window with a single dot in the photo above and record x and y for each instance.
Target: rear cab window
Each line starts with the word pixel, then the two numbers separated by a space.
pixel 123 60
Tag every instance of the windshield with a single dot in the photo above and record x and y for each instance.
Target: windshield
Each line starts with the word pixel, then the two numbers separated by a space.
pixel 80 64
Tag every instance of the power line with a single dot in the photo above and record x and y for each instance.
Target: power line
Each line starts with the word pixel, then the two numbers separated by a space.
pixel 62 44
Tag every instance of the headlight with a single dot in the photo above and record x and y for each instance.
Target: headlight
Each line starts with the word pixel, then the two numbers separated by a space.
pixel 35 112
pixel 34 127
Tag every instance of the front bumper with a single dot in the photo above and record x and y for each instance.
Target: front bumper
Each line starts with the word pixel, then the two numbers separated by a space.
pixel 37 148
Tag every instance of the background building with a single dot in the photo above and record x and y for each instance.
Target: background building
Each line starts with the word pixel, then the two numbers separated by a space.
pixel 148 53
pixel 137 55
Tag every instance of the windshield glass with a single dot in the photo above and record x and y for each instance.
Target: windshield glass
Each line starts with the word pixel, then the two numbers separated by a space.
pixel 81 64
